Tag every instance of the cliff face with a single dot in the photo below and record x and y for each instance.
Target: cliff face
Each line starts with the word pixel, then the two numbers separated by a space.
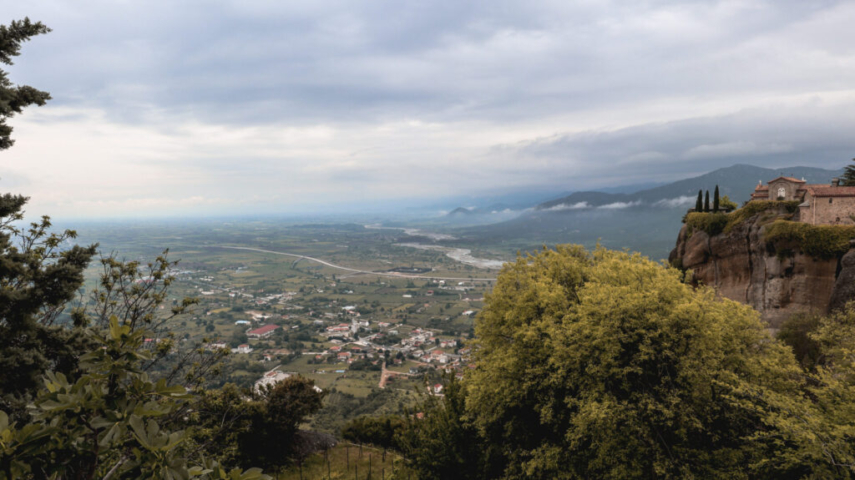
pixel 778 281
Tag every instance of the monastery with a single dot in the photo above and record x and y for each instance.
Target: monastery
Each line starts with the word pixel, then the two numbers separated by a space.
pixel 821 204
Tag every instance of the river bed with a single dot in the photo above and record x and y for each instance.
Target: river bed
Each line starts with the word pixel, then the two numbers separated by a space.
pixel 463 255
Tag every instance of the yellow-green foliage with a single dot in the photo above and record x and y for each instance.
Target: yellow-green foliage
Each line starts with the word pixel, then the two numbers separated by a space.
pixel 608 365
pixel 711 223
pixel 727 203
pixel 755 207
pixel 818 241
pixel 715 223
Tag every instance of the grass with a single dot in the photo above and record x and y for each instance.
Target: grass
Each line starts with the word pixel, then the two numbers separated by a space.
pixel 358 384
pixel 344 461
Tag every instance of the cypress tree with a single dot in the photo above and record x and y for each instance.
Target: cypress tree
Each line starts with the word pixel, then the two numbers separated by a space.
pixel 699 205
pixel 715 200
pixel 707 202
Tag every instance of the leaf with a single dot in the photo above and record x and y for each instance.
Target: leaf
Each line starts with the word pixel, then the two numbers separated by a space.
pixel 109 436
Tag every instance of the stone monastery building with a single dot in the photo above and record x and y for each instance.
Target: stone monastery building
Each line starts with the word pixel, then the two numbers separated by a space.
pixel 821 204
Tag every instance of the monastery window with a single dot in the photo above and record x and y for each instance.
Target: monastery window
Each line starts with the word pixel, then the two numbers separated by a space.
pixel 830 200
pixel 782 192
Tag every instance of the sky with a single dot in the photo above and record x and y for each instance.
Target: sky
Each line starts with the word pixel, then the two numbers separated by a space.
pixel 206 107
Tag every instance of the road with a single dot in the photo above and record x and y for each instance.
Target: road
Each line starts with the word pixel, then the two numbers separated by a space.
pixel 354 270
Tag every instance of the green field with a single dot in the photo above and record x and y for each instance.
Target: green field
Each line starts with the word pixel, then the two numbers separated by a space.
pixel 230 284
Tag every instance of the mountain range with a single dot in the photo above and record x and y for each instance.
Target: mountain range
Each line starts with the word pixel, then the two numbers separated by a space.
pixel 646 221
pixel 737 182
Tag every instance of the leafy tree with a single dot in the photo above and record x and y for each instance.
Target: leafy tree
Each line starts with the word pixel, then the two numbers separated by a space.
pixel 380 431
pixel 108 424
pixel 707 201
pixel 827 435
pixel 243 428
pixel 607 365
pixel 849 175
pixel 440 443
pixel 728 204
pixel 716 200
pixel 13 99
pixel 222 421
pixel 797 332
pixel 699 204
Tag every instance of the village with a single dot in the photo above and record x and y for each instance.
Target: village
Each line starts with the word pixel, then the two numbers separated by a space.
pixel 391 332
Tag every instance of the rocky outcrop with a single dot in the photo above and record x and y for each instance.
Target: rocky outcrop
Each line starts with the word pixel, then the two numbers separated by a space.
pixel 777 280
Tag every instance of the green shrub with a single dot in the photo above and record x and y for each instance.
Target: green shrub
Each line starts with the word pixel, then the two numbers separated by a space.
pixel 728 204
pixel 715 223
pixel 711 223
pixel 819 241
pixel 758 206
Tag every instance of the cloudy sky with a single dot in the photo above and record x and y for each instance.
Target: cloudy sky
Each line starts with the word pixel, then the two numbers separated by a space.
pixel 168 107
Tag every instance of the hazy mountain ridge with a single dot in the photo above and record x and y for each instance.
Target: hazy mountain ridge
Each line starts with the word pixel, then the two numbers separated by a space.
pixel 645 221
pixel 737 182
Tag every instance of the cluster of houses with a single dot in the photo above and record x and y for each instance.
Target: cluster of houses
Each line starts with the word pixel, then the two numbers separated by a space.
pixel 350 338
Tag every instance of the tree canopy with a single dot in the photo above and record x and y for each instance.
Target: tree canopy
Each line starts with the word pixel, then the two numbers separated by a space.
pixel 607 365
pixel 849 175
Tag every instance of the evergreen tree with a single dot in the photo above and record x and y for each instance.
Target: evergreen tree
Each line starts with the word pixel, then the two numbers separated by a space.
pixel 699 205
pixel 715 200
pixel 849 176
pixel 13 98
pixel 38 278
pixel 707 201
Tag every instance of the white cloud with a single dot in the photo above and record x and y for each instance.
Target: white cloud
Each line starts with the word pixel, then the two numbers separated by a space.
pixel 564 206
pixel 676 202
pixel 620 205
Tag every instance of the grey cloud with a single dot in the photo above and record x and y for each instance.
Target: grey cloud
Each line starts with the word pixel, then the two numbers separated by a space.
pixel 338 61
pixel 601 93
pixel 781 137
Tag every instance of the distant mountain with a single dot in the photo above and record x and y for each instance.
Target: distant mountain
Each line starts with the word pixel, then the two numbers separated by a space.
pixel 737 182
pixel 645 221
pixel 460 211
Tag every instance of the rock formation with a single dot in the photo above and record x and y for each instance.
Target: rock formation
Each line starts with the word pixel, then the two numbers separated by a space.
pixel 777 280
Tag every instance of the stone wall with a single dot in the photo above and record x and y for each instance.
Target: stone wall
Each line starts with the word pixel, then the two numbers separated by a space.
pixel 790 187
pixel 823 212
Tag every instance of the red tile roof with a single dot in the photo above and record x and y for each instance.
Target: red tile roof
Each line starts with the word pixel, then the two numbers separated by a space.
pixel 789 179
pixel 830 191
pixel 262 330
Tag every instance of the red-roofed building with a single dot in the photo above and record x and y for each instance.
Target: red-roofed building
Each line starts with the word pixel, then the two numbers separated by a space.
pixel 821 204
pixel 262 332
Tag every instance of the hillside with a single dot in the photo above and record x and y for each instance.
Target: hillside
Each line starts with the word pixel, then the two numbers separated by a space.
pixel 737 182
pixel 643 221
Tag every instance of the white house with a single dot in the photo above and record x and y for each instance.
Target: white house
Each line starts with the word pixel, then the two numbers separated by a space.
pixel 269 379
